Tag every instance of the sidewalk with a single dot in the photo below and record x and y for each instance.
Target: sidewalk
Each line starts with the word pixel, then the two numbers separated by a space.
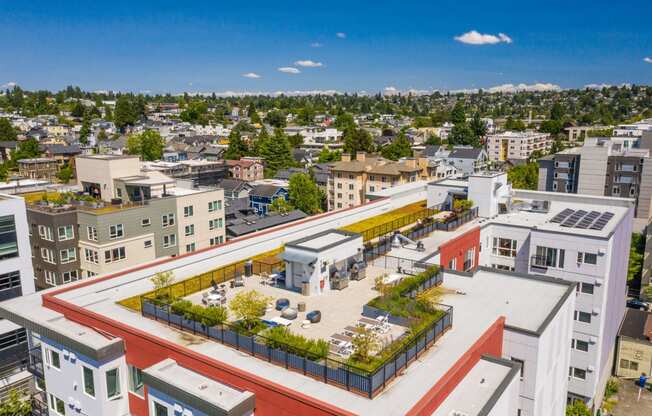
pixel 627 404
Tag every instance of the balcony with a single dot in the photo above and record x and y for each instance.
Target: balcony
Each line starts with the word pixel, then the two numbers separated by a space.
pixel 35 365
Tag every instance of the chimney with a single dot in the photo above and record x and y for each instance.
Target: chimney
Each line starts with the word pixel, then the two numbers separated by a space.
pixel 346 157
pixel 361 156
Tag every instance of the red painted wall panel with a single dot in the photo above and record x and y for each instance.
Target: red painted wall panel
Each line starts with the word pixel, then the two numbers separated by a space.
pixel 491 343
pixel 457 247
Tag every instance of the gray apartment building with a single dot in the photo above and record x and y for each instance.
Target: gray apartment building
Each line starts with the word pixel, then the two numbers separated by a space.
pixel 605 167
pixel 54 239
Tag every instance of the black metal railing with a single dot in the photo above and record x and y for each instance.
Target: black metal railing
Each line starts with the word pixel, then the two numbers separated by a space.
pixel 35 365
pixel 539 262
pixel 329 370
pixel 39 405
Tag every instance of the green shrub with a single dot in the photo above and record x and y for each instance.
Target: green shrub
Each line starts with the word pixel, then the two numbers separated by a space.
pixel 612 387
pixel 282 338
pixel 209 316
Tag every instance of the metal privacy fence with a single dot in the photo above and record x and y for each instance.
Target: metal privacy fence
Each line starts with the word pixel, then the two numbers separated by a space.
pixel 384 243
pixel 393 225
pixel 405 266
pixel 329 370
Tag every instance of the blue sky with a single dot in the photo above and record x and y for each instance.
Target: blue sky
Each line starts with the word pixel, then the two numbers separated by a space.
pixel 162 46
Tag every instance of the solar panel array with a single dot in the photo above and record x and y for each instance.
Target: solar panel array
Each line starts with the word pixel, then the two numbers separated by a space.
pixel 580 218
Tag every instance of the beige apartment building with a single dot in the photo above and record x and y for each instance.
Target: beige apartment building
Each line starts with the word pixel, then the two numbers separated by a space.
pixel 351 179
pixel 517 145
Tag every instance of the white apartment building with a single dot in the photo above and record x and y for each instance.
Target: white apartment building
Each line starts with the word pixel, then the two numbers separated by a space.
pixel 633 129
pixel 578 238
pixel 16 279
pixel 516 144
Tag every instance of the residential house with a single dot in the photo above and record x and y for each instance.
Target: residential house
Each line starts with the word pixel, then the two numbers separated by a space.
pixel 634 345
pixel 235 189
pixel 262 196
pixel 246 169
pixel 517 144
pixel 38 168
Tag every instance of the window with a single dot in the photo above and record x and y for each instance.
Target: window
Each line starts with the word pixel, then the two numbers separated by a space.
pixel 522 363
pixel 136 380
pixel 148 243
pixel 188 211
pixel 549 257
pixel 372 189
pixel 57 405
pixel 588 258
pixel 45 232
pixel 65 233
pixel 92 233
pixel 10 280
pixel 339 186
pixel 217 240
pixel 586 288
pixel 69 276
pixel 50 278
pixel 115 254
pixel 190 247
pixel 629 365
pixel 504 247
pixel 160 410
pixel 214 206
pixel 583 317
pixel 580 345
pixel 169 240
pixel 167 220
pixel 91 256
pixel 452 265
pixel 615 190
pixel 89 382
pixel 350 187
pixel 55 359
pixel 116 231
pixel 145 222
pixel 577 373
pixel 190 230
pixel 68 256
pixel 47 255
pixel 469 259
pixel 112 383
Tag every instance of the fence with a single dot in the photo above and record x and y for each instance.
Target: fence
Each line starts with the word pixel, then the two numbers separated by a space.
pixel 393 225
pixel 402 265
pixel 328 370
pixel 384 244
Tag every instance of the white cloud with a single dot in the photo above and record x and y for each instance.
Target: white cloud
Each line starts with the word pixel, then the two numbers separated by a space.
pixel 289 70
pixel 308 63
pixel 647 59
pixel 390 90
pixel 251 75
pixel 596 86
pixel 524 87
pixel 316 45
pixel 9 85
pixel 476 38
pixel 265 93
pixel 341 35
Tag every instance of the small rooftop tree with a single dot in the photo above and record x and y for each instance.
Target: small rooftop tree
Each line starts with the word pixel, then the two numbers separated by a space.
pixel 160 281
pixel 248 307
pixel 365 342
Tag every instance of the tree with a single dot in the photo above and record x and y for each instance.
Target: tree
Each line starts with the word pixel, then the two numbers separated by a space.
pixel 636 252
pixel 26 149
pixel 16 404
pixel 78 110
pixel 161 280
pixel 296 140
pixel 511 124
pixel 365 341
pixel 280 205
pixel 248 306
pixel 237 147
pixel 478 126
pixel 399 148
pixel 433 141
pixel 647 293
pixel 557 146
pixel 277 152
pixel 102 135
pixel 126 112
pixel 551 126
pixel 148 144
pixel 344 121
pixel 357 140
pixel 326 156
pixel 458 115
pixel 461 134
pixel 195 113
pixel 306 115
pixel 84 132
pixel 557 111
pixel 65 174
pixel 7 131
pixel 578 408
pixel 276 118
pixel 524 176
pixel 304 193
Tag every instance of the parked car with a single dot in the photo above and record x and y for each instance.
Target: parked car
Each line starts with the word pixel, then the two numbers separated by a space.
pixel 637 304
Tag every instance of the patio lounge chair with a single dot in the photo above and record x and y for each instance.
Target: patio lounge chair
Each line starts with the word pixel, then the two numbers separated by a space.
pixel 289 313
pixel 282 303
pixel 314 316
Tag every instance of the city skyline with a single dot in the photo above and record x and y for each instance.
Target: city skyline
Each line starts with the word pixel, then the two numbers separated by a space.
pixel 367 47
